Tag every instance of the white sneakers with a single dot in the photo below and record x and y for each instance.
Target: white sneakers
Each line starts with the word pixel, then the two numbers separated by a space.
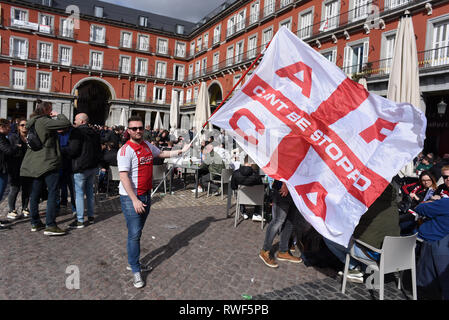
pixel 199 190
pixel 257 217
pixel 13 215
pixel 137 280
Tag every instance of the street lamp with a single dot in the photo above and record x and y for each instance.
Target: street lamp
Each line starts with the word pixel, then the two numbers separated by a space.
pixel 441 108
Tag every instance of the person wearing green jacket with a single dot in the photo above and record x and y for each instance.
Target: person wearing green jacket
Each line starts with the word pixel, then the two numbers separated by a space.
pixel 43 165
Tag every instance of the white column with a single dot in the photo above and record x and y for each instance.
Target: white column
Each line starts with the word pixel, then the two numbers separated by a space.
pixel 3 108
pixel 65 110
pixel 29 108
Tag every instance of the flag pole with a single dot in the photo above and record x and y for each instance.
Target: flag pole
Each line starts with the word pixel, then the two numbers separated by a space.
pixel 238 82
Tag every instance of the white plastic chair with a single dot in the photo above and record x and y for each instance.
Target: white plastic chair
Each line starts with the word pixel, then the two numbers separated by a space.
pixel 113 175
pixel 159 175
pixel 249 195
pixel 397 254
pixel 225 177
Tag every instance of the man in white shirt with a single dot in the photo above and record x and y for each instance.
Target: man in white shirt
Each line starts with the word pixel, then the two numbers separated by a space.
pixel 135 164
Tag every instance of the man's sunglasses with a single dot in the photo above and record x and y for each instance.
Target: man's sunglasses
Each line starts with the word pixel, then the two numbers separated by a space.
pixel 136 128
pixel 445 177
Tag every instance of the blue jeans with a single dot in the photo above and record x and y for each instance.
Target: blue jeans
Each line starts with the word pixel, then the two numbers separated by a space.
pixel 284 215
pixel 51 181
pixel 135 223
pixel 3 184
pixel 84 185
pixel 340 252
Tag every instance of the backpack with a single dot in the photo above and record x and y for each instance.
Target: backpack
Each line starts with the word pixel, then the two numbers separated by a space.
pixel 33 140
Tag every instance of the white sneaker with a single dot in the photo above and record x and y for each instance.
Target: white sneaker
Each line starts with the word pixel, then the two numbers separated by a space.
pixel 25 212
pixel 13 215
pixel 199 190
pixel 137 280
pixel 257 217
pixel 245 216
pixel 354 275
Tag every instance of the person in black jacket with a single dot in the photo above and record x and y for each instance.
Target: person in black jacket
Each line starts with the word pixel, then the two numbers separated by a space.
pixel 6 149
pixel 17 182
pixel 109 158
pixel 247 175
pixel 85 151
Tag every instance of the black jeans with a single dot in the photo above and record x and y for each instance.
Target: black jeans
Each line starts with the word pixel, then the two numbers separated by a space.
pixel 51 181
pixel 17 184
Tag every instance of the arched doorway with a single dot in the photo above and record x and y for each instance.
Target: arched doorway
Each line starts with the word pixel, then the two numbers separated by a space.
pixel 215 96
pixel 93 99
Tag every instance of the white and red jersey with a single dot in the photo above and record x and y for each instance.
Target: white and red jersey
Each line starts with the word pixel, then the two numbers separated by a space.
pixel 137 160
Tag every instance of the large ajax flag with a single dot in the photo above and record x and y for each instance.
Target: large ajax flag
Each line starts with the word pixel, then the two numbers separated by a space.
pixel 336 145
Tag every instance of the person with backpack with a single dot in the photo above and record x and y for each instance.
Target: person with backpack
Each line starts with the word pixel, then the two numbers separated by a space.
pixel 84 148
pixel 42 162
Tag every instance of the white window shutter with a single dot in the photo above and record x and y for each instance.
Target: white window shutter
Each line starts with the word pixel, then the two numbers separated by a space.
pixel 26 49
pixel 11 47
pixel 346 61
pixel 365 53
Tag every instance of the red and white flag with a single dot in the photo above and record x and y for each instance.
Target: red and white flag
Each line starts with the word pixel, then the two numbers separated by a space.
pixel 335 145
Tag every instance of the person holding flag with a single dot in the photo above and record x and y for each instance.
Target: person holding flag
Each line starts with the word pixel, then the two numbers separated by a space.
pixel 135 164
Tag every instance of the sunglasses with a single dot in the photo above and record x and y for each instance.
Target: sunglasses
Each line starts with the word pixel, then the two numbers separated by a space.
pixel 22 125
pixel 445 177
pixel 135 128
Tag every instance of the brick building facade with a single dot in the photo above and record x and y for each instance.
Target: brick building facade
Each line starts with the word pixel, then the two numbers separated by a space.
pixel 108 60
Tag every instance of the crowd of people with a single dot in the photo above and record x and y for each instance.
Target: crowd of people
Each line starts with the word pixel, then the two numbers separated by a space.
pixel 67 157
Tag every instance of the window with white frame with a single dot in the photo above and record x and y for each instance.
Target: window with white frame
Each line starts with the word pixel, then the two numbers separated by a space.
pixel 252 46
pixel 18 48
pixel 286 23
pixel 96 60
pixel 162 46
pixel 230 30
pixel 285 3
pixel 330 55
pixel 268 7
pixel 126 41
pixel 192 48
pixel 254 12
pixel 46 3
pixel 355 57
pixel 230 56
pixel 387 51
pixel 197 68
pixel 206 41
pixel 199 42
pixel 66 28
pixel 180 49
pixel 143 42
pixel 240 24
pixel 143 21
pixel 125 64
pixel 440 43
pixel 189 95
pixel 331 15
pixel 236 79
pixel 305 24
pixel 203 66
pixel 359 9
pixel 19 15
pixel 216 61
pixel 159 95
pixel 239 51
pixel 217 34
pixel 65 55
pixel 46 23
pixel 390 4
pixel 195 94
pixel 266 36
pixel 97 34
pixel 161 69
pixel 141 66
pixel 45 51
pixel 43 81
pixel 18 78
pixel 178 72
pixel 190 71
pixel 141 92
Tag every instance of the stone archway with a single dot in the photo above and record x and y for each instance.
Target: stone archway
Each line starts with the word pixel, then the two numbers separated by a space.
pixel 215 95
pixel 92 97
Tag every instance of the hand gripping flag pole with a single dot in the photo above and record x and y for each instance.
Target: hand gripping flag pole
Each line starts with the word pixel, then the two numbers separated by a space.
pixel 226 98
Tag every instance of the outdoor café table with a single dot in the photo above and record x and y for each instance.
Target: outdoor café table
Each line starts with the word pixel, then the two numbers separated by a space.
pixel 186 165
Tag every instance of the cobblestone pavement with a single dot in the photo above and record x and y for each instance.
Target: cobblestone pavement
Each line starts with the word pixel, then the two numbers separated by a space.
pixel 194 250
